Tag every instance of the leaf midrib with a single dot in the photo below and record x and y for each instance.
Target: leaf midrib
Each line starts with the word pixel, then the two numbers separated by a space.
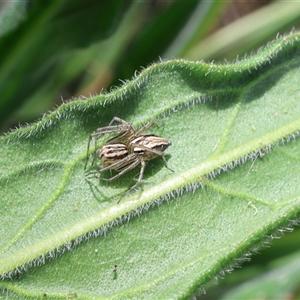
pixel 134 202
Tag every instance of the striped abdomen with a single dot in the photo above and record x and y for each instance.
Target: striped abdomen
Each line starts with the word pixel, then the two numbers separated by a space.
pixel 110 154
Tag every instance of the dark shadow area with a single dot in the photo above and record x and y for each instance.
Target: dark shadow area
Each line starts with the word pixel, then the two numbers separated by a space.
pixel 267 81
pixel 227 90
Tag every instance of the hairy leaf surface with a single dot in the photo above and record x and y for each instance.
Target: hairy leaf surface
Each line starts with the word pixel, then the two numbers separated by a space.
pixel 235 153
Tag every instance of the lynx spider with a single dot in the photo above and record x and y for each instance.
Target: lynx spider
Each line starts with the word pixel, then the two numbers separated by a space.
pixel 128 149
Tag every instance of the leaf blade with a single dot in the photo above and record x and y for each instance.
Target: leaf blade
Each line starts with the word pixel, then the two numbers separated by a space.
pixel 228 118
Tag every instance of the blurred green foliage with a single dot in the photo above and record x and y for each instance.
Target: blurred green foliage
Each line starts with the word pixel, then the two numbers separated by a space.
pixel 54 50
pixel 63 49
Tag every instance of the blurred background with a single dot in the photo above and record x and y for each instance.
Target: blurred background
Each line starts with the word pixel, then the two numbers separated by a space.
pixel 56 51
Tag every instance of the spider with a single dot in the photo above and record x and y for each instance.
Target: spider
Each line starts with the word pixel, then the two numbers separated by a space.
pixel 128 149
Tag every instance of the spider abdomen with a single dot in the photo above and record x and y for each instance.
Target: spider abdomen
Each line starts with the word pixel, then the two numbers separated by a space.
pixel 111 153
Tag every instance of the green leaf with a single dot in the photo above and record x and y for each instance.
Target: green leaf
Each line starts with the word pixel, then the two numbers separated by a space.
pixel 171 236
pixel 266 266
pixel 280 281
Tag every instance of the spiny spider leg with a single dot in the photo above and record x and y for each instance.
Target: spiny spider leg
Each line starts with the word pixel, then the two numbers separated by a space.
pixel 145 127
pixel 157 152
pixel 139 181
pixel 124 126
pixel 135 163
pixel 119 164
pixel 117 119
pixel 115 166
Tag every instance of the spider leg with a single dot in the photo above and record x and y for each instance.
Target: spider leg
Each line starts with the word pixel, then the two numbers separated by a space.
pixel 139 181
pixel 123 126
pixel 94 156
pixel 166 165
pixel 157 152
pixel 145 127
pixel 117 119
pixel 115 166
pixel 87 152
pixel 119 164
pixel 135 163
pixel 105 130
